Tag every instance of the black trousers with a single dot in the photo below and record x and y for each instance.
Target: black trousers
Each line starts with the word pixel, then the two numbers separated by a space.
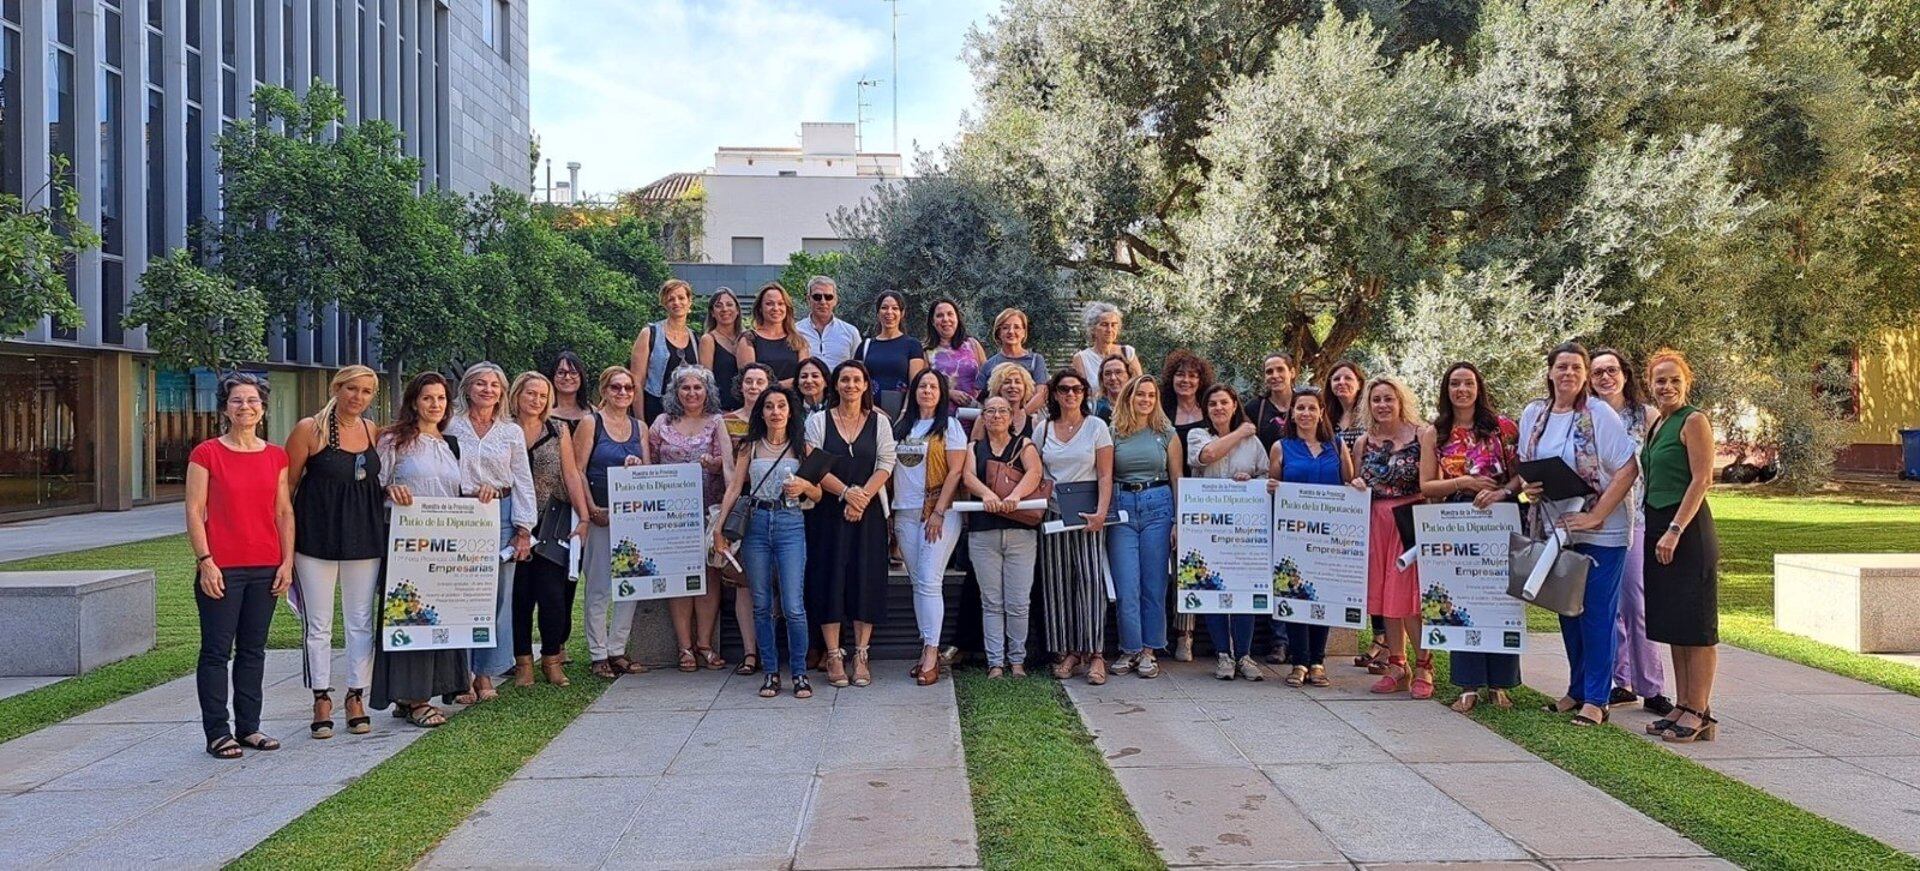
pixel 541 585
pixel 234 628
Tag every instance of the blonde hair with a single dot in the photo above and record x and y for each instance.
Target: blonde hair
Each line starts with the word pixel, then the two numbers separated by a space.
pixel 600 387
pixel 473 374
pixel 1007 314
pixel 672 284
pixel 1408 413
pixel 520 383
pixel 1009 370
pixel 1126 421
pixel 327 419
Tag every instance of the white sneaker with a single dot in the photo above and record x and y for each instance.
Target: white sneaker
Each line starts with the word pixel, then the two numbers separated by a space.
pixel 1223 666
pixel 1183 649
pixel 1145 665
pixel 1121 664
pixel 1250 669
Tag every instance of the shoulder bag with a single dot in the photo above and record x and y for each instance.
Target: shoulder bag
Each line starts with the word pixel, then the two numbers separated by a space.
pixel 1004 475
pixel 734 528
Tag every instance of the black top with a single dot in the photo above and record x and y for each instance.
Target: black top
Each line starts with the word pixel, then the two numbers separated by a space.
pixel 339 507
pixel 1270 420
pixel 726 367
pixel 1183 430
pixel 981 521
pixel 777 354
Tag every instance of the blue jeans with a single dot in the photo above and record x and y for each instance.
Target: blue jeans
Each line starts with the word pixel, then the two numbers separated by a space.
pixel 1589 637
pixel 1138 553
pixel 1306 643
pixel 498 659
pixel 1231 633
pixel 776 542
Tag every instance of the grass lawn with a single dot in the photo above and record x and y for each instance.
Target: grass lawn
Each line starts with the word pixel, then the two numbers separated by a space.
pixel 1042 796
pixel 1733 820
pixel 432 784
pixel 1753 527
pixel 176 635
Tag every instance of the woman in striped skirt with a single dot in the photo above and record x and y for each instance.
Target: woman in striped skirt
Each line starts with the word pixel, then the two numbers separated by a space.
pixel 1075 446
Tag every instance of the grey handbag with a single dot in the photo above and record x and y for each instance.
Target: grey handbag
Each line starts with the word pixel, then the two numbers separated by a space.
pixel 1564 591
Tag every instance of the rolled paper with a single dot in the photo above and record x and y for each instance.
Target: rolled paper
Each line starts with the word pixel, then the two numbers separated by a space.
pixel 966 413
pixel 573 556
pixel 1544 565
pixel 1407 559
pixel 1023 505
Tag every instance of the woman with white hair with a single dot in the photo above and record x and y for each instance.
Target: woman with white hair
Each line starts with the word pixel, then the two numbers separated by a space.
pixel 1102 320
pixel 690 430
pixel 493 459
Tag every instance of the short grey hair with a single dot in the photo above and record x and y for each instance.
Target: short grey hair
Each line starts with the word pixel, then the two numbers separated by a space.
pixel 821 281
pixel 670 402
pixel 1095 311
pixel 474 373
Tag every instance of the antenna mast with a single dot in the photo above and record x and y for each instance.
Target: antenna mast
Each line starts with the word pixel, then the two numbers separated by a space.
pixel 895 5
pixel 860 106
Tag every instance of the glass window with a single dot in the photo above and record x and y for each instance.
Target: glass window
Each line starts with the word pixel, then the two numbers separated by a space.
pixel 489 29
pixel 113 300
pixel 193 76
pixel 196 202
pixel 156 175
pixel 259 39
pixel 183 416
pixel 229 93
pixel 193 23
pixel 156 64
pixel 156 12
pixel 63 22
pixel 226 31
pixel 113 37
pixel 60 106
pixel 110 226
pixel 287 31
pixel 46 432
pixel 10 180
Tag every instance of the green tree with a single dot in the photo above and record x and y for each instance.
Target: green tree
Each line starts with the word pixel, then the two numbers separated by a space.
pixel 37 247
pixel 196 318
pixel 628 245
pixel 802 267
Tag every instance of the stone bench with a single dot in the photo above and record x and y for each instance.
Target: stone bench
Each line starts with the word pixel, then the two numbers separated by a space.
pixel 1863 602
pixel 68 623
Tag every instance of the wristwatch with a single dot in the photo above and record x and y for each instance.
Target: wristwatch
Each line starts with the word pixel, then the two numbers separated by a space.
pixel 1674 528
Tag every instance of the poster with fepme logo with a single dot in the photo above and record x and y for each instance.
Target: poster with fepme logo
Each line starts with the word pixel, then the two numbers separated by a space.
pixel 657 531
pixel 443 565
pixel 1320 534
pixel 1224 540
pixel 1463 578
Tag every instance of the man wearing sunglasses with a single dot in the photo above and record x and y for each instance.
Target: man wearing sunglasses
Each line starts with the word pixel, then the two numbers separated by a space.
pixel 831 338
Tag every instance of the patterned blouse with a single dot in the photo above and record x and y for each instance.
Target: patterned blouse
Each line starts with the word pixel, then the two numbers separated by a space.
pixel 1464 453
pixel 1393 473
pixel 669 445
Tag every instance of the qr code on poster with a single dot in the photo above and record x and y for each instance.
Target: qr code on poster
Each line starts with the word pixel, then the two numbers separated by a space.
pixel 442 636
pixel 1473 638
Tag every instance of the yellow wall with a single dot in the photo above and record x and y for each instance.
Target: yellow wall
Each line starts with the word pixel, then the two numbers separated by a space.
pixel 1889 386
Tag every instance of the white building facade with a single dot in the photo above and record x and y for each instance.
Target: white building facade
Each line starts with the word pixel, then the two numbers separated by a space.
pixel 134 94
pixel 764 204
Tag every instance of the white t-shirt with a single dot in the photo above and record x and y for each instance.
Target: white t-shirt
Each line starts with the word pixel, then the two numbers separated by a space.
pixel 1614 447
pixel 1072 460
pixel 1088 362
pixel 910 462
pixel 1246 457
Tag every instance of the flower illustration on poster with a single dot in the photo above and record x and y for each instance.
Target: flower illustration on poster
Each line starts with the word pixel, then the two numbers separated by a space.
pixel 629 562
pixel 1287 583
pixel 1437 608
pixel 404 607
pixel 1193 573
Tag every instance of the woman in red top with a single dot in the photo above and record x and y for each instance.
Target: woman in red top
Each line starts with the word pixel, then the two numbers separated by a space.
pixel 240 523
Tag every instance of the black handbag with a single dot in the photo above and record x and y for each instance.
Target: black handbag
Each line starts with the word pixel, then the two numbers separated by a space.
pixel 550 536
pixel 734 527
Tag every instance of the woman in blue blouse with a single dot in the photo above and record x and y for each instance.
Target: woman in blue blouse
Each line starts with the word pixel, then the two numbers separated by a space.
pixel 1308 453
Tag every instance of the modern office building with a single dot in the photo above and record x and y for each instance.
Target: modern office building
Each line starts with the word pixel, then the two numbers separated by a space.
pixel 133 94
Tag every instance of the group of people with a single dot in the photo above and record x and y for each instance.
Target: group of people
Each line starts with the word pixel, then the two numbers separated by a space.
pixel 932 443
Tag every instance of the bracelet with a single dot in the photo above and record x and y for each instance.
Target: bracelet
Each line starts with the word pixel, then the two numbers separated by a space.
pixel 203 558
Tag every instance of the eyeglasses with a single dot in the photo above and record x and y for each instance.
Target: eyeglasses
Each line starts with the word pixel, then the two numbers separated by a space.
pixel 619 388
pixel 1607 372
pixel 1070 390
pixel 995 412
pixel 823 297
pixel 245 402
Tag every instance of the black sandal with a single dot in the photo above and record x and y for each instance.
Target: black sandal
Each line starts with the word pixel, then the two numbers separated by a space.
pixel 802 688
pixel 362 724
pixel 259 741
pixel 425 716
pixel 771 686
pixel 322 729
pixel 749 663
pixel 1661 725
pixel 224 747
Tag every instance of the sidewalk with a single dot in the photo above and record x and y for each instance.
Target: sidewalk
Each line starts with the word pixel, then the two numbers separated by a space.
pixel 1263 774
pixel 671 770
pixel 1846 750
pixel 128 785
pixel 51 535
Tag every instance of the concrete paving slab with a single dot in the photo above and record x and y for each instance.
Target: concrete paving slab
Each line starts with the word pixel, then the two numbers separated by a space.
pixel 1852 796
pixel 1905 769
pixel 37 757
pixel 1345 802
pixel 662 690
pixel 901 818
pixel 13 686
pixel 717 821
pixel 1510 795
pixel 72 532
pixel 37 826
pixel 1160 732
pixel 1417 731
pixel 546 823
pixel 890 686
pixel 1295 735
pixel 204 828
pixel 1455 866
pixel 1229 815
pixel 615 744
pixel 754 742
pixel 1701 864
pixel 743 691
pixel 893 737
pixel 1815 722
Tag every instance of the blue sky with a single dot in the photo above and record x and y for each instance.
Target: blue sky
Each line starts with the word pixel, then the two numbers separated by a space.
pixel 635 89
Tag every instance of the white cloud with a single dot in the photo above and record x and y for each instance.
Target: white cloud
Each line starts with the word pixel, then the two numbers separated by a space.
pixel 635 89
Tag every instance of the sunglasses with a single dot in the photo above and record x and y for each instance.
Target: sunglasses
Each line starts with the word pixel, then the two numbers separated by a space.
pixel 1070 390
pixel 619 388
pixel 360 466
pixel 823 297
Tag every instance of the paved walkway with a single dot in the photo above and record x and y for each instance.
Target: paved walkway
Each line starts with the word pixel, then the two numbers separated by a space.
pixel 13 686
pixel 1246 774
pixel 1846 750
pixel 31 538
pixel 670 770
pixel 127 785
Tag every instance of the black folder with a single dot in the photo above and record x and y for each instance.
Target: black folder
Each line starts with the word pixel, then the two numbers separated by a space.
pixel 1559 479
pixel 1074 498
